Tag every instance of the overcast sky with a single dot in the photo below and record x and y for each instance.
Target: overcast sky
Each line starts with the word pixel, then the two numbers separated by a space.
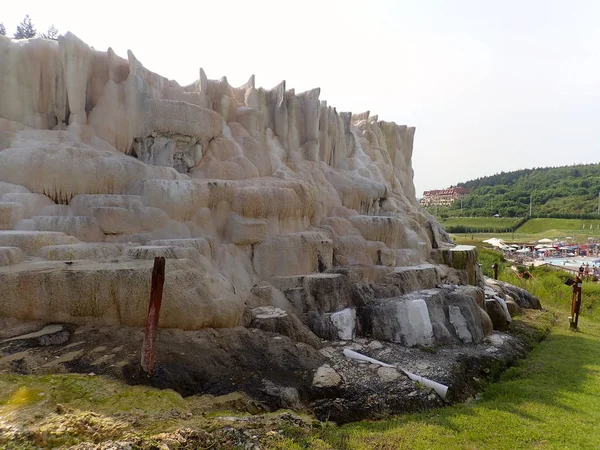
pixel 490 85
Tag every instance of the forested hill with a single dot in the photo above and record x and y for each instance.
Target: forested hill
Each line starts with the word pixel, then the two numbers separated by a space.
pixel 556 192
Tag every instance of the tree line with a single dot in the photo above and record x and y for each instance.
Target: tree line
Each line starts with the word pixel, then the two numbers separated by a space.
pixel 26 30
pixel 496 230
pixel 562 192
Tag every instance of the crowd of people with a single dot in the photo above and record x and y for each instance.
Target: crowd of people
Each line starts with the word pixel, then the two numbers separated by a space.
pixel 586 273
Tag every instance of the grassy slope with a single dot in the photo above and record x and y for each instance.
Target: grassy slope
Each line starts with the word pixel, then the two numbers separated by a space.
pixel 548 285
pixel 535 229
pixel 563 226
pixel 548 401
pixel 480 222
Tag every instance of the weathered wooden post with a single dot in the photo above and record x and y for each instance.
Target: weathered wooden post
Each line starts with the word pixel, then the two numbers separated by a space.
pixel 495 267
pixel 158 280
pixel 575 303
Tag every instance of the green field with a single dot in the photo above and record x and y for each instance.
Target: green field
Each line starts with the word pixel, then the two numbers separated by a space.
pixel 561 227
pixel 532 230
pixel 480 223
pixel 548 401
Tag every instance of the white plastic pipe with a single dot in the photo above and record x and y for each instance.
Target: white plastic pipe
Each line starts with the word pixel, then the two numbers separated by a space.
pixel 441 389
pixel 437 387
pixel 355 355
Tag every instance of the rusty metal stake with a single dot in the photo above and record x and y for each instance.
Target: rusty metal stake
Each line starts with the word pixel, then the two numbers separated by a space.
pixel 158 280
pixel 576 303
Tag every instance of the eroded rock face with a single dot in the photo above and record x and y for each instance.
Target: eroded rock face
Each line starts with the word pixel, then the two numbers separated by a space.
pixel 274 210
pixel 449 315
pixel 287 226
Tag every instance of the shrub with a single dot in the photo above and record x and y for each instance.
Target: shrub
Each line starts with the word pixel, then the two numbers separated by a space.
pixel 487 258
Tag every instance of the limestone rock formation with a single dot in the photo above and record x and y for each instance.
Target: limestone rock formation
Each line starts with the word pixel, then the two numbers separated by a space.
pixel 275 211
pixel 102 160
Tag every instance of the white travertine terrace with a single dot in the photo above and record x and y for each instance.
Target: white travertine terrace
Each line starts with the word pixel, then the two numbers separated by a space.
pixel 107 164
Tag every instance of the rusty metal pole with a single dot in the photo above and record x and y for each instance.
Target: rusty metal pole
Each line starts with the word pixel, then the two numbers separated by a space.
pixel 575 303
pixel 158 280
pixel 578 304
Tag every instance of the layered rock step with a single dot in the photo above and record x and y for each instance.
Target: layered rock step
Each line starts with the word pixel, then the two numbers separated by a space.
pixel 31 242
pixel 168 252
pixel 389 230
pixel 413 278
pixel 84 204
pixel 10 214
pixel 242 231
pixel 83 228
pixel 204 245
pixel 120 214
pixel 11 255
pixel 329 302
pixel 57 210
pixel 315 292
pixel 260 198
pixel 460 257
pixel 169 248
pixel 90 251
pixel 32 204
pixel 293 254
pixel 117 293
pixel 451 315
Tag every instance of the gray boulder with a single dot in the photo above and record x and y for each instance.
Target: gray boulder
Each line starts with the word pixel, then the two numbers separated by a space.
pixel 521 297
pixel 497 314
pixel 441 316
pixel 340 325
pixel 276 320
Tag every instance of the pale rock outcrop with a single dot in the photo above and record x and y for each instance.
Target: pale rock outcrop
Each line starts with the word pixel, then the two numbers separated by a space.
pixel 245 231
pixel 169 252
pixel 428 317
pixel 63 170
pixel 32 204
pixel 284 222
pixel 91 251
pixel 293 254
pixel 507 291
pixel 258 197
pixel 10 255
pixel 7 188
pixel 203 245
pixel 31 242
pixel 57 292
pixel 345 322
pixel 82 227
pixel 10 214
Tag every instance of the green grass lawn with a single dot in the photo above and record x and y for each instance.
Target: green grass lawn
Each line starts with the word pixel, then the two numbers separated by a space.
pixel 549 401
pixel 561 227
pixel 536 229
pixel 484 223
pixel 548 285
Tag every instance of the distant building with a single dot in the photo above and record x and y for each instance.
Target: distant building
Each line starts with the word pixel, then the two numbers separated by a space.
pixel 443 197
